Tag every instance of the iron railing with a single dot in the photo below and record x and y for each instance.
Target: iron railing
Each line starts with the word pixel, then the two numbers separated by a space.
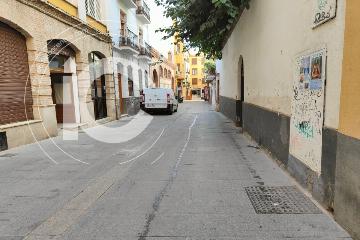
pixel 145 50
pixel 130 40
pixel 143 8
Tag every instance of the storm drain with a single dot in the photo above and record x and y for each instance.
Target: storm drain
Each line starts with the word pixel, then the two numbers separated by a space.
pixel 280 200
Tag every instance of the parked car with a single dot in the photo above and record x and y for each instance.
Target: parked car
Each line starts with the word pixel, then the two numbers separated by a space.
pixel 159 99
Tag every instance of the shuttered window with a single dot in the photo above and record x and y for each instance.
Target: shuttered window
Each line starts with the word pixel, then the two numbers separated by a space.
pixel 93 8
pixel 15 88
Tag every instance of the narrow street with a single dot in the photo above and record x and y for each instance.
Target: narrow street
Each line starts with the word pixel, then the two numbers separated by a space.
pixel 184 177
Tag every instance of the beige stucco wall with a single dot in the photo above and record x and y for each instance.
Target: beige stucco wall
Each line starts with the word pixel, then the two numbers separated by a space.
pixel 269 36
pixel 38 28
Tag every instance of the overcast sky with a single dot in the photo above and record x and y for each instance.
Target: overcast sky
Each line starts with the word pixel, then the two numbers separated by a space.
pixel 157 21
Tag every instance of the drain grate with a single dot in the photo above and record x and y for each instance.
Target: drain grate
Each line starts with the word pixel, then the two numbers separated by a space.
pixel 280 200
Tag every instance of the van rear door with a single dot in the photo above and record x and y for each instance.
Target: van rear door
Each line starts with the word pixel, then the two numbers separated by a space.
pixel 155 98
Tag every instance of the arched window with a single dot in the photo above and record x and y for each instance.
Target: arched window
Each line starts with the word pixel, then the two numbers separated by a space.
pixel 161 72
pixel 169 74
pixel 165 73
pixel 146 79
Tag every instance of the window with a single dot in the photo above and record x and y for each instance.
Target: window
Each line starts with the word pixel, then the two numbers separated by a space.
pixel 194 61
pixel 169 74
pixel 146 79
pixel 165 73
pixel 178 67
pixel 161 72
pixel 123 22
pixel 194 81
pixel 141 36
pixel 131 87
pixel 194 71
pixel 93 8
pixel 140 80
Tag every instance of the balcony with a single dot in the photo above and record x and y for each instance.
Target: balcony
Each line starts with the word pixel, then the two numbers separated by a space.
pixel 143 12
pixel 130 3
pixel 145 52
pixel 129 43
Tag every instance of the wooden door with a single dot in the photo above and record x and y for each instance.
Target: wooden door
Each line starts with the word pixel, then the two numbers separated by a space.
pixel 122 108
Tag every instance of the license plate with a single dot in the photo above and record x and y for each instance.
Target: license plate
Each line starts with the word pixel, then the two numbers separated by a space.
pixel 149 105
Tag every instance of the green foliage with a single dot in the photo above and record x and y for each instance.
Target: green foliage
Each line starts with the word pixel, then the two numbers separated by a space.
pixel 201 24
pixel 210 67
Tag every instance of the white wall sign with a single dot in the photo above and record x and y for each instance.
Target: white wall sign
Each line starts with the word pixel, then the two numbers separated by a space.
pixel 307 108
pixel 324 11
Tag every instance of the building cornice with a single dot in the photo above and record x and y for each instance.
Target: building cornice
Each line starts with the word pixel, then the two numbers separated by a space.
pixel 60 15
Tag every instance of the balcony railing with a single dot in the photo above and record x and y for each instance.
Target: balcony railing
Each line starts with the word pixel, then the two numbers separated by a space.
pixel 130 40
pixel 146 50
pixel 143 8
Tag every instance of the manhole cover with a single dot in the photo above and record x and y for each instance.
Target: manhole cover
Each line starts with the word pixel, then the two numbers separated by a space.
pixel 280 200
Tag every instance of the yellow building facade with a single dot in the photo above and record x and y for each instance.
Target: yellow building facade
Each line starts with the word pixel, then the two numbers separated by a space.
pixel 189 74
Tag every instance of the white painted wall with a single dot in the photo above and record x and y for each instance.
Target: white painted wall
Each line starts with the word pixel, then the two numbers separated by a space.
pixel 269 36
pixel 112 20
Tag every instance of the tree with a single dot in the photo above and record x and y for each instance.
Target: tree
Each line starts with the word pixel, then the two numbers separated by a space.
pixel 210 67
pixel 202 24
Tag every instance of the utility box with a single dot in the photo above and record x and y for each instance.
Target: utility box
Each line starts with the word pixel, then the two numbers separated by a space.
pixel 3 141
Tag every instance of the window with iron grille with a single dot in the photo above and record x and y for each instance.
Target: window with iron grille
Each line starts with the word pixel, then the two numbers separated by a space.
pixel 93 8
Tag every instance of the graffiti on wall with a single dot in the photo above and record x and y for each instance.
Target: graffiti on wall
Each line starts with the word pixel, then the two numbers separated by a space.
pixel 324 11
pixel 307 107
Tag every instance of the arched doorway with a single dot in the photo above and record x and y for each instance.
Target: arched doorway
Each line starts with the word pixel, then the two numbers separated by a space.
pixel 63 81
pixel 15 84
pixel 241 90
pixel 98 85
pixel 155 79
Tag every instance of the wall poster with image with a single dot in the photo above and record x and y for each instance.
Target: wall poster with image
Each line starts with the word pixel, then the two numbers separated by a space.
pixel 307 108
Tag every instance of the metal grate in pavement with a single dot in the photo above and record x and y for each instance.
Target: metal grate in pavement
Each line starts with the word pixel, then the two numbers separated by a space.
pixel 280 200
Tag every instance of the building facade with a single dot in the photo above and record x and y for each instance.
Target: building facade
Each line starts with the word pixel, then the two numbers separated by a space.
pixel 52 75
pixel 292 87
pixel 197 75
pixel 162 70
pixel 182 71
pixel 190 73
pixel 127 21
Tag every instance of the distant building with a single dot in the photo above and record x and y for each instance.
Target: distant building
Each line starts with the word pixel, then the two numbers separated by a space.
pixel 190 73
pixel 163 74
pixel 127 21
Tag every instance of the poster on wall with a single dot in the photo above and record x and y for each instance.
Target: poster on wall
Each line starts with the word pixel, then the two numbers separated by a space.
pixel 324 11
pixel 307 108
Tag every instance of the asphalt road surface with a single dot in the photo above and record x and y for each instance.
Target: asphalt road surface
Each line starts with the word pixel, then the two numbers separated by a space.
pixel 183 177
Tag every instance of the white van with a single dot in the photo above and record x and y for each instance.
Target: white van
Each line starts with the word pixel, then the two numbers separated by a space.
pixel 160 99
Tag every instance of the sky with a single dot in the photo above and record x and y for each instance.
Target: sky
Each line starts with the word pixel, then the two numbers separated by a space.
pixel 158 21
